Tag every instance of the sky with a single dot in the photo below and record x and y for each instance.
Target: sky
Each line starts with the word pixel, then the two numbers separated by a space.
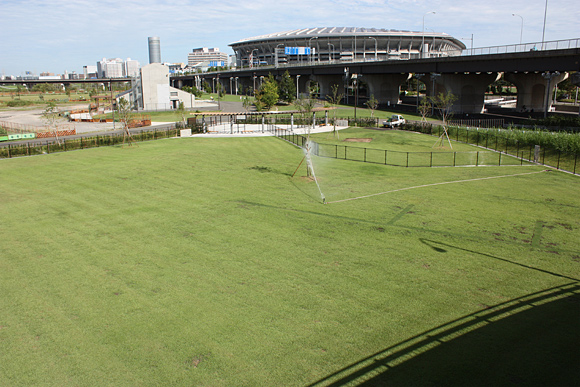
pixel 58 35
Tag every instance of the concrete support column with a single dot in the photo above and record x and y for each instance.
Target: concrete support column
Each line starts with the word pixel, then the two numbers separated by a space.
pixel 468 88
pixel 385 87
pixel 325 82
pixel 532 90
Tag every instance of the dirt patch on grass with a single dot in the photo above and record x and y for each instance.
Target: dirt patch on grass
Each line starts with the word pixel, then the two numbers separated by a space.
pixel 363 139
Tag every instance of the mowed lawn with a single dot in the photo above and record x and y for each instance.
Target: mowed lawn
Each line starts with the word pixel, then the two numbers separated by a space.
pixel 202 262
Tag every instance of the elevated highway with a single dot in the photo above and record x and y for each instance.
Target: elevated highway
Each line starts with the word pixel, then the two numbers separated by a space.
pixel 534 72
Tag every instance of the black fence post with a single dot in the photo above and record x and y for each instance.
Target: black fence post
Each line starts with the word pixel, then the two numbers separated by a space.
pixel 385 157
pixel 365 155
pixel 9 153
pixel 431 161
pixel 477 159
pixel 407 159
pixel 454 157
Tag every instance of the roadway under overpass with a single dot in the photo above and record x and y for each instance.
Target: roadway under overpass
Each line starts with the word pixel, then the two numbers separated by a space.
pixel 534 73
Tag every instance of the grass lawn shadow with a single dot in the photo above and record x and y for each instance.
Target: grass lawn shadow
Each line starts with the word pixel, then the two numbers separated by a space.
pixel 531 340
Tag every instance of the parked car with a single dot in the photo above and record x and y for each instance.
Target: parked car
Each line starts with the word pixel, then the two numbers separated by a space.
pixel 395 120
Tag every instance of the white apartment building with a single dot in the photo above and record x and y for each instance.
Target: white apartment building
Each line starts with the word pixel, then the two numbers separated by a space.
pixel 131 68
pixel 212 56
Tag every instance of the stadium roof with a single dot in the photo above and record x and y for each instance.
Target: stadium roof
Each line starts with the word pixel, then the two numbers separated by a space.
pixel 342 32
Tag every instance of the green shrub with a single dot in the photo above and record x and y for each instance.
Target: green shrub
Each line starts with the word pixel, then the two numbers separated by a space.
pixel 18 102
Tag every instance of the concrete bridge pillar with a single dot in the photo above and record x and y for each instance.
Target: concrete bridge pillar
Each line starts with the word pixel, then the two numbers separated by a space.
pixel 385 87
pixel 468 88
pixel 325 82
pixel 532 89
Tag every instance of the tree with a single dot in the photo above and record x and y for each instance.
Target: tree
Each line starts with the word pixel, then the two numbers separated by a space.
pixel 125 116
pixel 182 113
pixel 443 102
pixel 206 86
pixel 305 106
pixel 372 104
pixel 267 95
pixel 220 93
pixel 247 102
pixel 424 108
pixel 334 98
pixel 287 88
pixel 51 116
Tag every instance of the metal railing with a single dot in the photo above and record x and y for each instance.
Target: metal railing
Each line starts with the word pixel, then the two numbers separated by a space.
pixel 514 48
pixel 491 50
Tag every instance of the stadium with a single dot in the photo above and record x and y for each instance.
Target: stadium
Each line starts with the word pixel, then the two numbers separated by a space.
pixel 342 44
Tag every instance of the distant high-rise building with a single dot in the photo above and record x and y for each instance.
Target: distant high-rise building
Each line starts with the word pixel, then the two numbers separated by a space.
pixel 90 71
pixel 131 68
pixel 110 68
pixel 154 50
pixel 204 54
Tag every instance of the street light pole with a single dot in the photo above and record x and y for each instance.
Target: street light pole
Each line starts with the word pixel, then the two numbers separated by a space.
pixel 522 28
pixel 423 34
pixel 548 76
pixel 433 77
pixel 330 53
pixel 297 77
pixel 417 77
pixel 376 46
pixel 276 53
pixel 544 29
pixel 252 57
pixel 309 42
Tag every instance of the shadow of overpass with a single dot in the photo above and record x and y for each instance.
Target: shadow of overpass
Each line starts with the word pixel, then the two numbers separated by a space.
pixel 531 340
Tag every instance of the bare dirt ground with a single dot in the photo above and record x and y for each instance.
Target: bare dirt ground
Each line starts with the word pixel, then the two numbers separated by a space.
pixel 33 117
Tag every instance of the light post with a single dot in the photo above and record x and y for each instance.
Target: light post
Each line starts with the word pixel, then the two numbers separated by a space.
pixel 522 28
pixel 254 90
pixel 309 41
pixel 423 34
pixel 544 29
pixel 276 54
pixel 354 78
pixel 548 76
pixel 297 77
pixel 252 57
pixel 330 53
pixel 434 76
pixel 376 46
pixel 417 77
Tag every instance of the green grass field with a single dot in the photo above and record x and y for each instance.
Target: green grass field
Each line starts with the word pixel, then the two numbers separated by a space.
pixel 202 262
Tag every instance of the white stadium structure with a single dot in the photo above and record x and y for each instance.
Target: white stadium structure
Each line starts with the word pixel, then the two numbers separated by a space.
pixel 342 44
